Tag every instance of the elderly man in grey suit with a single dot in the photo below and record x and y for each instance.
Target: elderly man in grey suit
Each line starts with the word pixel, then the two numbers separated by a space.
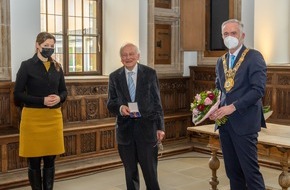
pixel 134 97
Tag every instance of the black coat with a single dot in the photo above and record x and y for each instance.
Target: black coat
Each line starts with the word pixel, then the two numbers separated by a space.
pixel 149 104
pixel 33 83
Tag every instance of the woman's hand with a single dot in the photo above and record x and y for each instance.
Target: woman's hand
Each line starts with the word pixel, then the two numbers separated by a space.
pixel 51 100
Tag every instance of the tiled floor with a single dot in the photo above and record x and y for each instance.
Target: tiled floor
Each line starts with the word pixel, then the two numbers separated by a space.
pixel 187 171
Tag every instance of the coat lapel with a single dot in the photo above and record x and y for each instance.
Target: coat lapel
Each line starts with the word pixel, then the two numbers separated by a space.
pixel 140 76
pixel 124 85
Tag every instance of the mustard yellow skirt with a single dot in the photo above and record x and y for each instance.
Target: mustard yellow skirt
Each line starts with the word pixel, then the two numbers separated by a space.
pixel 41 132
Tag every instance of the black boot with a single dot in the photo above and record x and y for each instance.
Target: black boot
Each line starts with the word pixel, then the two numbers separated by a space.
pixel 35 179
pixel 48 178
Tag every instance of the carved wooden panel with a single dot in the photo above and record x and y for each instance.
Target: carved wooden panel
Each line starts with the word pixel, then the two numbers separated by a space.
pixel 88 142
pixel 284 79
pixel 176 127
pixel 14 161
pixel 283 99
pixel 107 139
pixel 170 130
pixel 1 156
pixel 72 110
pixel 5 112
pixel 92 108
pixel 104 112
pixel 174 94
pixel 70 144
pixel 267 100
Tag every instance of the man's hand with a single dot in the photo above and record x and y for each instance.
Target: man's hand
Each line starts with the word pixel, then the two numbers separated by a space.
pixel 160 135
pixel 222 111
pixel 125 111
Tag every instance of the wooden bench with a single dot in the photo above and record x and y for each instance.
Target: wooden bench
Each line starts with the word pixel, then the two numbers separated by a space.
pixel 275 136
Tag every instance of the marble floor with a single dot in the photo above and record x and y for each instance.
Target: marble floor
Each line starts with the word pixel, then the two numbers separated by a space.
pixel 188 171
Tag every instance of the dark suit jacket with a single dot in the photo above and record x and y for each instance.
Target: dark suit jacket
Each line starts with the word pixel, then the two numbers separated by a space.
pixel 247 93
pixel 149 104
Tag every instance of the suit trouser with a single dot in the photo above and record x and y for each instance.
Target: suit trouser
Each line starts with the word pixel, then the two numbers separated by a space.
pixel 240 158
pixel 146 155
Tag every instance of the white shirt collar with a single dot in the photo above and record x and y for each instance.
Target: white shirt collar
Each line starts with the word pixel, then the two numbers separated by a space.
pixel 134 70
pixel 237 51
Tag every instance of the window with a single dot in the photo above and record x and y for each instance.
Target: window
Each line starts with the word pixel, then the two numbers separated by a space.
pixel 77 26
pixel 217 11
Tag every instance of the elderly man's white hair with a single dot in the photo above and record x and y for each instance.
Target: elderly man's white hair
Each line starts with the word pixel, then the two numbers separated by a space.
pixel 129 44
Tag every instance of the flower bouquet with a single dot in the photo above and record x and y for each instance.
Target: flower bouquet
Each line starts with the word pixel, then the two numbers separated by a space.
pixel 204 104
pixel 267 112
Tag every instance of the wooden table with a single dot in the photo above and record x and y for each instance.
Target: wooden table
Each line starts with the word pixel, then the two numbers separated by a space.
pixel 274 135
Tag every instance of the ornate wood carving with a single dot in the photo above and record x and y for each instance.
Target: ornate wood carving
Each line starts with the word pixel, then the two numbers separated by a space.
pixel 174 94
pixel 107 141
pixel 88 142
pixel 70 144
pixel 283 98
pixel 92 109
pixel 72 110
pixel 284 79
pixel 14 161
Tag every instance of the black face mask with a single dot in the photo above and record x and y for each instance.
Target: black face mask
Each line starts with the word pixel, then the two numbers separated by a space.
pixel 47 52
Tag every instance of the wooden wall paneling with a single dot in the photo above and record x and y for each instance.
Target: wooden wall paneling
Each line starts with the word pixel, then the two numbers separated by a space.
pixel 4 159
pixel 176 126
pixel 283 99
pixel 88 142
pixel 104 112
pixel 13 159
pixel 174 94
pixel 201 78
pixel 107 139
pixel 5 112
pixel 170 130
pixel 72 110
pixel 192 26
pixel 92 105
pixel 70 144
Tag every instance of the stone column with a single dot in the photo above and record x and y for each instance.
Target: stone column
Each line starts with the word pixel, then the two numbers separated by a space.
pixel 5 60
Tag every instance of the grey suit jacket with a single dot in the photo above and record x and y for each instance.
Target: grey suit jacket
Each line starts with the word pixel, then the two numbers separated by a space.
pixel 246 95
pixel 149 104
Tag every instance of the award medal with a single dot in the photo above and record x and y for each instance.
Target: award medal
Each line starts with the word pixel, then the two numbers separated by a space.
pixel 231 73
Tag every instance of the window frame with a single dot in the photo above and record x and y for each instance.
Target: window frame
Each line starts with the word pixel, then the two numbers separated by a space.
pixel 65 37
pixel 233 7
